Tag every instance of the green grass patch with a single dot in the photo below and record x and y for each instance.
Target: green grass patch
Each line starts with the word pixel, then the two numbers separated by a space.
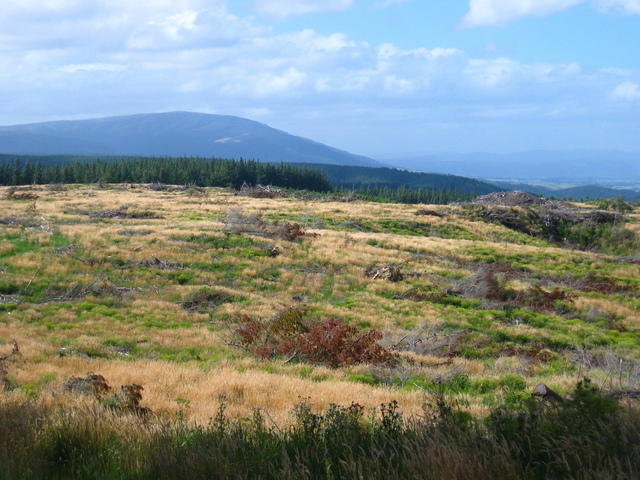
pixel 366 378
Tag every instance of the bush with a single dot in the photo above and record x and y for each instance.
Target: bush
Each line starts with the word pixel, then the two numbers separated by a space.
pixel 330 342
pixel 590 437
pixel 557 439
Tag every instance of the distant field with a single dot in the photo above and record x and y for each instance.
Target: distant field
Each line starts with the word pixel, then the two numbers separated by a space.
pixel 149 287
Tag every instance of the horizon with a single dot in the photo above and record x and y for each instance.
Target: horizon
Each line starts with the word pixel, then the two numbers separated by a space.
pixel 375 156
pixel 370 77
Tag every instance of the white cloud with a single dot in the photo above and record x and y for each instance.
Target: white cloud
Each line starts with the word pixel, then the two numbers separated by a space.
pixel 506 76
pixel 192 57
pixel 627 6
pixel 191 86
pixel 400 86
pixel 269 84
pixel 518 111
pixel 44 8
pixel 165 31
pixel 143 24
pixel 442 52
pixel 93 67
pixel 388 3
pixel 501 12
pixel 627 91
pixel 491 73
pixel 99 58
pixel 309 41
pixel 289 8
pixel 333 43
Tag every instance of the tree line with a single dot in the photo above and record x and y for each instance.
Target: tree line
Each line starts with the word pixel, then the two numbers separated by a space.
pixel 404 194
pixel 380 177
pixel 231 173
pixel 175 171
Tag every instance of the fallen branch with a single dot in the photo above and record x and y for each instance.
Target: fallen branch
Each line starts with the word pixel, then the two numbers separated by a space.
pixel 46 228
pixel 542 391
pixel 401 340
pixel 295 354
pixel 77 291
pixel 263 409
pixel 443 376
pixel 75 257
pixel 24 290
pixel 440 364
pixel 15 351
pixel 237 345
pixel 623 393
pixel 88 288
pixel 155 262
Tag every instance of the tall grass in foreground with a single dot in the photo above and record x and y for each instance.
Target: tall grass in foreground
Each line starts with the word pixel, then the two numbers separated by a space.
pixel 589 437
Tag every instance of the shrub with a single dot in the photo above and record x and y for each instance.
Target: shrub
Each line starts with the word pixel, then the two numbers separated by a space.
pixel 329 342
pixel 334 343
pixel 540 300
pixel 589 437
pixel 485 284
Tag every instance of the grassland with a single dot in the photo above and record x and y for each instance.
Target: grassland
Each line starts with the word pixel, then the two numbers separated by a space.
pixel 148 287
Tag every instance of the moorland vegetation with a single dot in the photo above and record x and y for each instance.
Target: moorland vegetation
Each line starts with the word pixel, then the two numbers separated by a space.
pixel 155 331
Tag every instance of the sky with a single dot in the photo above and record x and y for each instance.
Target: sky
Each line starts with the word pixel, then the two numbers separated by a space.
pixel 374 77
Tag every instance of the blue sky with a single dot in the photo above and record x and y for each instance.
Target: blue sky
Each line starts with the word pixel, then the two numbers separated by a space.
pixel 374 77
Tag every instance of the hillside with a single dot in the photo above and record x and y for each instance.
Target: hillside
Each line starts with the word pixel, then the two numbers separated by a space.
pixel 350 177
pixel 305 329
pixel 161 274
pixel 171 134
pixel 571 166
pixel 576 192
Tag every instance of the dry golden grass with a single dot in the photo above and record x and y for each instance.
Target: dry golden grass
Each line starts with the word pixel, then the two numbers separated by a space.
pixel 141 307
pixel 167 385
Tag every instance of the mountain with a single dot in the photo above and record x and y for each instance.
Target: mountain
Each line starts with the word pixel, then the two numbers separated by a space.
pixel 571 166
pixel 172 134
pixel 577 192
pixel 356 177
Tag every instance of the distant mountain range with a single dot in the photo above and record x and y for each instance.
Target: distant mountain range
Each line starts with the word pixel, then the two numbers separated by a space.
pixel 571 166
pixel 177 134
pixel 172 134
pixel 577 192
